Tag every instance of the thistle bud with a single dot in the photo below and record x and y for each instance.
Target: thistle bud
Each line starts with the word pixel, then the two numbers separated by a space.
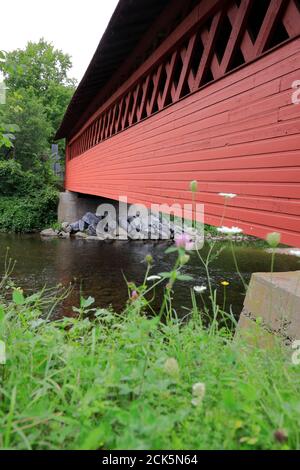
pixel 194 186
pixel 281 436
pixel 149 259
pixel 184 259
pixel 273 239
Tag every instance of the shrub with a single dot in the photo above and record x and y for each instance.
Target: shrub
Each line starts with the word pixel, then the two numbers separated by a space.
pixel 26 214
pixel 28 200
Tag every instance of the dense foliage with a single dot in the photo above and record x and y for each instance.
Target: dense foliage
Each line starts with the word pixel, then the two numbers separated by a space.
pixel 28 199
pixel 126 382
pixel 39 91
pixel 31 143
pixel 40 71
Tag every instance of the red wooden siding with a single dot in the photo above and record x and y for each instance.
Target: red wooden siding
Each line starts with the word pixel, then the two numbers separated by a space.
pixel 239 133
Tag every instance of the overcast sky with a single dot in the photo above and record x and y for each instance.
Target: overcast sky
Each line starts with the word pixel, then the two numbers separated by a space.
pixel 74 26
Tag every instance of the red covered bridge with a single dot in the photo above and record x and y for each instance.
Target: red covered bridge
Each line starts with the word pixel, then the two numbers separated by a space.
pixel 182 90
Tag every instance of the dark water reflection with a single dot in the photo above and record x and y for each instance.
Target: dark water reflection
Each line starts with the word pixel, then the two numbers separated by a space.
pixel 97 268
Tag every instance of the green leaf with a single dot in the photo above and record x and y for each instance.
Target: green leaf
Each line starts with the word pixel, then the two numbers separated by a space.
pixel 165 275
pixel 184 277
pixel 170 250
pixel 18 297
pixel 1 314
pixel 32 299
pixel 85 303
pixel 97 437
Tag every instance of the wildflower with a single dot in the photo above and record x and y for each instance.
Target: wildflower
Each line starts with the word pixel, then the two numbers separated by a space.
pixel 2 353
pixel 134 295
pixel 183 241
pixel 171 367
pixel 199 390
pixel 230 231
pixel 194 186
pixel 153 278
pixel 149 259
pixel 200 289
pixel 228 195
pixel 295 253
pixel 280 435
pixel 273 239
pixel 225 283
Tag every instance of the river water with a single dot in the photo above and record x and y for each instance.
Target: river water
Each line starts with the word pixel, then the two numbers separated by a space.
pixel 97 269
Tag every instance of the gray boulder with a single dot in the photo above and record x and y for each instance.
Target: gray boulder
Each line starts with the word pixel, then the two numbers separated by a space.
pixel 49 233
pixel 75 227
pixel 91 231
pixel 90 219
pixel 64 235
pixel 66 227
pixel 81 225
pixel 80 235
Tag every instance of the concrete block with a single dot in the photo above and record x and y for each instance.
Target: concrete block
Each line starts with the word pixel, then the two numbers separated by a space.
pixel 275 298
pixel 73 206
pixel 255 335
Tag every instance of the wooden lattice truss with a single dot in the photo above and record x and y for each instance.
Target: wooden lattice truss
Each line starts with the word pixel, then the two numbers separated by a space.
pixel 233 34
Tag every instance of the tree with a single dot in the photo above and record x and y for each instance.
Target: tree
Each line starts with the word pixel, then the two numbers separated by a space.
pixel 43 71
pixel 6 130
pixel 33 128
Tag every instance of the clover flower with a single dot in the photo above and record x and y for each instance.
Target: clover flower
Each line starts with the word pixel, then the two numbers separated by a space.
pixel 200 289
pixel 134 295
pixel 184 241
pixel 199 390
pixel 171 367
pixel 281 436
pixel 230 231
pixel 273 239
pixel 228 195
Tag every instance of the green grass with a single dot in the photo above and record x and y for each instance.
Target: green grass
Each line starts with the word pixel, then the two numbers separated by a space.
pixel 104 383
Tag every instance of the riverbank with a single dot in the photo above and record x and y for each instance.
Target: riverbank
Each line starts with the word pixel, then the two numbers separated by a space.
pixel 97 269
pixel 131 382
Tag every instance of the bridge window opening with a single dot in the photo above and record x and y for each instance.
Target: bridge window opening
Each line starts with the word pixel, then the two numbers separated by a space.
pixel 280 35
pixel 177 71
pixel 223 38
pixel 238 60
pixel 256 17
pixel 197 55
pixel 207 77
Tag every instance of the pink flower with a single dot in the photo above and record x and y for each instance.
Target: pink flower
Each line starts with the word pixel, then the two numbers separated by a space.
pixel 134 295
pixel 183 241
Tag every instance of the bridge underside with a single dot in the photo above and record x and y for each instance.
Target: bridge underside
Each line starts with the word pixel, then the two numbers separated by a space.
pixel 217 108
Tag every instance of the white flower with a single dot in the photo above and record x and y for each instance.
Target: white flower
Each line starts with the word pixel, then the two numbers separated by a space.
pixel 273 239
pixel 153 278
pixel 228 195
pixel 230 231
pixel 171 367
pixel 200 289
pixel 199 390
pixel 2 353
pixel 295 253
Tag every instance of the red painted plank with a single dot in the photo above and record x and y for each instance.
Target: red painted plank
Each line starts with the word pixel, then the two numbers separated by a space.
pixel 239 135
